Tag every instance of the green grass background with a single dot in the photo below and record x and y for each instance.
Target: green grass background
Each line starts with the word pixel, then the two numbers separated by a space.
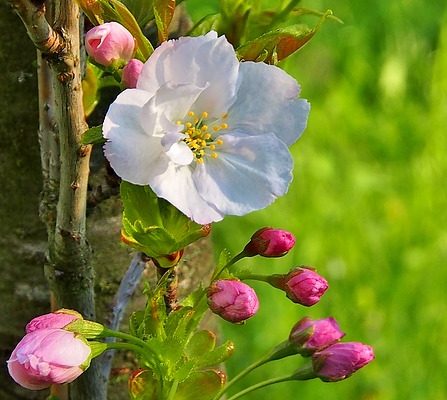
pixel 367 203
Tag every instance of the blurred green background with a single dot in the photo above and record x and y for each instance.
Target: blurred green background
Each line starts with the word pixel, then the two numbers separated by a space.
pixel 367 204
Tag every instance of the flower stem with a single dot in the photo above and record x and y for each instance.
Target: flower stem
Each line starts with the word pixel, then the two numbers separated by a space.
pixel 261 385
pixel 173 390
pixel 284 349
pixel 133 339
pixel 302 374
pixel 233 261
pixel 275 280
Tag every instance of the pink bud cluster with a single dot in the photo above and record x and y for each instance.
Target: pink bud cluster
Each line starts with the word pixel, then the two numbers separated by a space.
pixel 48 354
pixel 331 361
pixel 111 44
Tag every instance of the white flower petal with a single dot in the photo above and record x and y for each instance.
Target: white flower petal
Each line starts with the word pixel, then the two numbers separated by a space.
pixel 267 102
pixel 200 61
pixel 249 173
pixel 174 101
pixel 129 149
pixel 180 153
pixel 170 138
pixel 176 185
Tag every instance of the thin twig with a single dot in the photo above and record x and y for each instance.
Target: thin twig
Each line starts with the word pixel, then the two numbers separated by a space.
pixel 44 37
pixel 126 289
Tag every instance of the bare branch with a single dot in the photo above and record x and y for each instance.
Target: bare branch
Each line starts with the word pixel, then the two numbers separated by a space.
pixel 127 287
pixel 44 37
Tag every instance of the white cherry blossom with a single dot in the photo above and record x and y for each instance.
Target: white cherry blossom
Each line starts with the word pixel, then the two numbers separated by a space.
pixel 206 132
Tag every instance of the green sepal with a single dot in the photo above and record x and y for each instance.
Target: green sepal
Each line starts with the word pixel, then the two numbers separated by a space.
pixel 93 136
pixel 201 385
pixel 97 348
pixel 86 328
pixel 278 44
pixel 153 225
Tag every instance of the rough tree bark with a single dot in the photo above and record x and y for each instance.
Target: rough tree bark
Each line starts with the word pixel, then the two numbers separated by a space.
pixel 24 291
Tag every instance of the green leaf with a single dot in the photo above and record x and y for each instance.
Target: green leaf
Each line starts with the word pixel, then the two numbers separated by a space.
pixel 276 45
pixel 153 225
pixel 224 259
pixel 90 86
pixel 143 385
pixel 216 356
pixel 163 12
pixel 210 22
pixel 202 385
pixel 142 10
pixel 93 136
pixel 135 321
pixel 200 343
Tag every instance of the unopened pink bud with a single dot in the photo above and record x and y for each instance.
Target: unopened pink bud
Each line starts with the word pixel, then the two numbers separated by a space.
pixel 108 43
pixel 312 335
pixel 341 360
pixel 58 319
pixel 269 242
pixel 131 72
pixel 304 286
pixel 48 356
pixel 233 300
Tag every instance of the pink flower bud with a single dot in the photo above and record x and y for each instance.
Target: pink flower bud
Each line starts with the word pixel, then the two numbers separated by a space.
pixel 269 242
pixel 48 356
pixel 233 300
pixel 58 319
pixel 341 360
pixel 131 72
pixel 312 335
pixel 304 286
pixel 108 43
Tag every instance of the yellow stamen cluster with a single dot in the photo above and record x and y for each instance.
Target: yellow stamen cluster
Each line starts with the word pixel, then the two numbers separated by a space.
pixel 200 134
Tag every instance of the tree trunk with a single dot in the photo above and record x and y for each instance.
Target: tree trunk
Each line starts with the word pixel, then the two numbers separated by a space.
pixel 24 292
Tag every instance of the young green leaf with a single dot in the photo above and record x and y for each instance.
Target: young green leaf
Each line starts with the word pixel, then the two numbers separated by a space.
pixel 142 10
pixel 276 45
pixel 210 22
pixel 201 385
pixel 163 12
pixel 93 136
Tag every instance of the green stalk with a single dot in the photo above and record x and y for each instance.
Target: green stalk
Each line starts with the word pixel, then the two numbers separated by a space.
pixel 173 390
pixel 302 374
pixel 282 350
pixel 261 385
pixel 233 261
